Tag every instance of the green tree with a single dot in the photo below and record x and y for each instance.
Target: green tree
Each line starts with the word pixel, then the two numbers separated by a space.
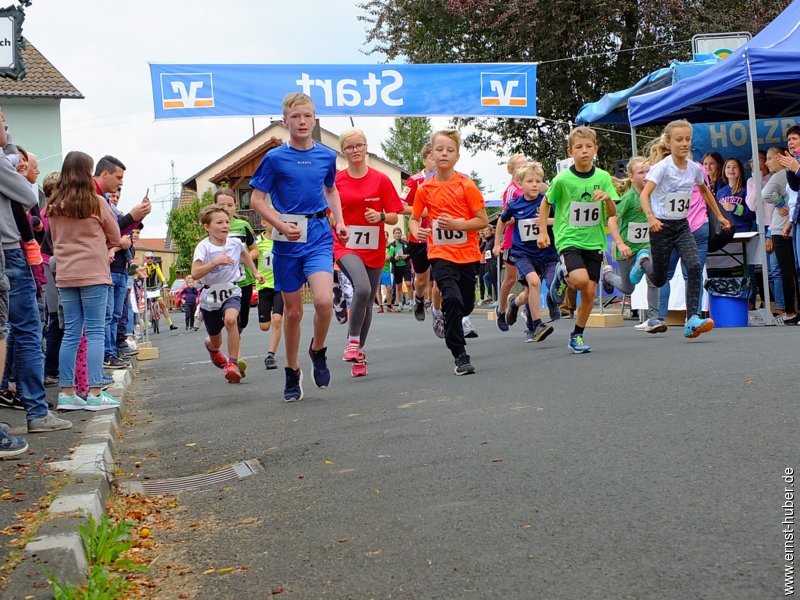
pixel 608 46
pixel 185 230
pixel 406 138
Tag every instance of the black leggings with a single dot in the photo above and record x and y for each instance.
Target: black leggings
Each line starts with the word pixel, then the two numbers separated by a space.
pixel 677 236
pixel 188 309
pixel 785 254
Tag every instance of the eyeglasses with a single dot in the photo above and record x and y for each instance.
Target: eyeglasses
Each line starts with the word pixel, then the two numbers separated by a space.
pixel 354 148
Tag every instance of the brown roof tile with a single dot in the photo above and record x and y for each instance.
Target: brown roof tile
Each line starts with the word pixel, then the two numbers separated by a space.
pixel 41 80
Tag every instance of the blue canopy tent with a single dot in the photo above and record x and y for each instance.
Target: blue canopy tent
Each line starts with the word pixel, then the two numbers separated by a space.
pixel 766 69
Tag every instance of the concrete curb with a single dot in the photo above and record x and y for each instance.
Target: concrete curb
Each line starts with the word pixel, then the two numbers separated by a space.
pixel 57 548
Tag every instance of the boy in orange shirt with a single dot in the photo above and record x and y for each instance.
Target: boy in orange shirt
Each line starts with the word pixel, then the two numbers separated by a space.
pixel 457 211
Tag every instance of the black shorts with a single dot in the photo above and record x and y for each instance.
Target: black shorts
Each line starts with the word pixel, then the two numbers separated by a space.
pixel 402 274
pixel 575 258
pixel 418 253
pixel 507 258
pixel 214 320
pixel 269 302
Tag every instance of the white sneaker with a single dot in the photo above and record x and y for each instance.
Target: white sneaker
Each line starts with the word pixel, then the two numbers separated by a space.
pixel 641 326
pixel 73 402
pixel 469 328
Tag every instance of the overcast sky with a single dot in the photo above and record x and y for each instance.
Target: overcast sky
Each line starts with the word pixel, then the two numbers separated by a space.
pixel 104 48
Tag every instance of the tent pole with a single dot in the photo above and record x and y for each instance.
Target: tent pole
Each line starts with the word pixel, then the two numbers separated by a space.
pixel 751 110
pixel 634 145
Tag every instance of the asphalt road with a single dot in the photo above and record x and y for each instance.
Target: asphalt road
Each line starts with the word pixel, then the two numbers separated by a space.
pixel 650 468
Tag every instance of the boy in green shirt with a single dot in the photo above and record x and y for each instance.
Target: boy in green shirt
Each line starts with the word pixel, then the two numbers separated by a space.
pixel 270 302
pixel 583 198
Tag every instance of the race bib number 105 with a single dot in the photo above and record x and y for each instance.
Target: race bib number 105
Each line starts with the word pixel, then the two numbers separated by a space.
pixel 584 214
pixel 447 237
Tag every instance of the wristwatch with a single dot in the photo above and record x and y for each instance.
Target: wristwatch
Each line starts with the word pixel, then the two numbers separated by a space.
pixel 383 216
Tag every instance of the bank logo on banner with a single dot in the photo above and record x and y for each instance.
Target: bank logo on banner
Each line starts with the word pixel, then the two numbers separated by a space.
pixel 504 89
pixel 187 90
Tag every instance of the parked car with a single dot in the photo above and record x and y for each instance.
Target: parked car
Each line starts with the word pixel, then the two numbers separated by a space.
pixel 175 290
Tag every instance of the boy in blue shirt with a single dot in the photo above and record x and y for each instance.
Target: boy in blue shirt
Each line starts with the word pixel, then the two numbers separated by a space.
pixel 534 264
pixel 299 177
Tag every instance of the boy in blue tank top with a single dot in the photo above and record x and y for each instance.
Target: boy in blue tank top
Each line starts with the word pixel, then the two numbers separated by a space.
pixel 299 178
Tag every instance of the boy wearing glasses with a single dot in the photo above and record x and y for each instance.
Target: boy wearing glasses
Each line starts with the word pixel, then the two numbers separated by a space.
pixel 299 177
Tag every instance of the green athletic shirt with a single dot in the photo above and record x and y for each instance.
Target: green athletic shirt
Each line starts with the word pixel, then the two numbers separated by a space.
pixel 569 189
pixel 629 210
pixel 393 248
pixel 243 231
pixel 264 244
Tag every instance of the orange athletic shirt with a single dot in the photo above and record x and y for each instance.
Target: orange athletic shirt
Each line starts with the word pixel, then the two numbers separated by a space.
pixel 459 198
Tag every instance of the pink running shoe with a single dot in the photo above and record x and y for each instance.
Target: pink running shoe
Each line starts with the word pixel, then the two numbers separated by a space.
pixel 350 352
pixel 359 368
pixel 232 373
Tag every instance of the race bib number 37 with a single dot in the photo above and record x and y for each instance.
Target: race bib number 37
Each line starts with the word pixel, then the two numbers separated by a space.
pixel 301 221
pixel 215 296
pixel 363 237
pixel 584 214
pixel 447 237
pixel 677 205
pixel 638 233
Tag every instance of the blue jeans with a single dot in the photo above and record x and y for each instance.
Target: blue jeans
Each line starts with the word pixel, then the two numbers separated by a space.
pixel 26 335
pixel 701 239
pixel 775 283
pixel 114 303
pixel 84 311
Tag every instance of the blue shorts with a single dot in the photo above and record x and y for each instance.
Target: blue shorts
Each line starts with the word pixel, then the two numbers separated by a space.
pixel 386 278
pixel 544 269
pixel 291 272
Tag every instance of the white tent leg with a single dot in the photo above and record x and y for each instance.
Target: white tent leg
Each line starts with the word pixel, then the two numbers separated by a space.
pixel 751 109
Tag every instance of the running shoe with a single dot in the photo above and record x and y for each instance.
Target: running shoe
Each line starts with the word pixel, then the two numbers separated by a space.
pixel 270 363
pixel 242 367
pixel 113 362
pixel 70 402
pixel 33 253
pixel 541 332
pixel 12 446
pixel 9 399
pixel 512 310
pixel 104 401
pixel 577 345
pixel 391 308
pixel 50 381
pixel 438 326
pixel 173 327
pixel 293 390
pixel 654 326
pixel 419 309
pixel 350 352
pixel 791 320
pixel 608 288
pixel 637 272
pixel 321 373
pixel 463 366
pixel 528 337
pixel 359 368
pixel 500 320
pixel 695 326
pixel 559 288
pixel 217 357
pixel 380 308
pixel 553 309
pixel 49 422
pixel 232 373
pixel 469 328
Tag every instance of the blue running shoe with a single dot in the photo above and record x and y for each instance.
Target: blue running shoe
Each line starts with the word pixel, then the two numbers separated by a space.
pixel 293 390
pixel 695 326
pixel 500 319
pixel 322 375
pixel 559 288
pixel 637 272
pixel 577 345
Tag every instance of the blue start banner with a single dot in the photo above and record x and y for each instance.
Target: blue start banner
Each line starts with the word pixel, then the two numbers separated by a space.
pixel 459 90
pixel 732 138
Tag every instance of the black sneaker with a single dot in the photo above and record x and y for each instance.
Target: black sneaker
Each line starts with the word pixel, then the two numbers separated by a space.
pixel 463 366
pixel 293 391
pixel 112 362
pixel 322 375
pixel 173 327
pixel 9 399
pixel 270 363
pixel 512 310
pixel 500 320
pixel 419 309
pixel 607 287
